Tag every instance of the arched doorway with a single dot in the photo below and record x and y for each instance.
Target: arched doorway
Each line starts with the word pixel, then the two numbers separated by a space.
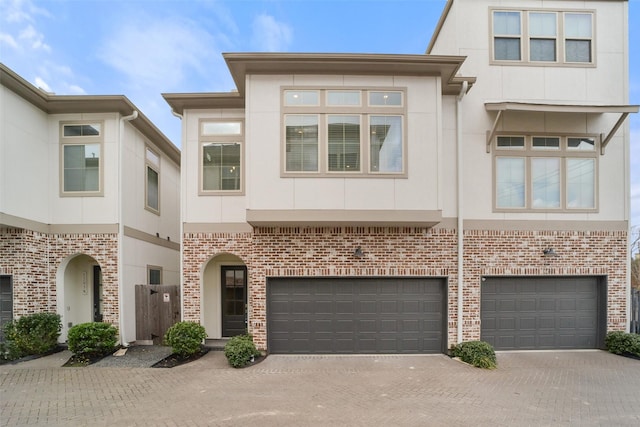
pixel 79 291
pixel 224 296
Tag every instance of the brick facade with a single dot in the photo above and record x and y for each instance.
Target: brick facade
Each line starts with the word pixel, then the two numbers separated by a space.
pixel 33 260
pixel 406 252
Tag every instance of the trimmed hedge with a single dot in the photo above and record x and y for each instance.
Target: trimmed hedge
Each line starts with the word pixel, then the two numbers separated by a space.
pixel 240 350
pixel 477 353
pixel 623 343
pixel 92 340
pixel 185 338
pixel 31 334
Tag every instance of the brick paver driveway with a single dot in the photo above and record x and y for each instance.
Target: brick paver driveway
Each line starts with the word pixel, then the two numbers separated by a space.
pixel 582 388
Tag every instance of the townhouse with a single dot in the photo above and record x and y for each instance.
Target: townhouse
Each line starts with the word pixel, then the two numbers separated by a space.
pixel 88 206
pixel 364 203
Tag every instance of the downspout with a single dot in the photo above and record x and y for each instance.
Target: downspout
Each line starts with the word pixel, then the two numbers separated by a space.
pixel 123 119
pixel 182 209
pixel 463 91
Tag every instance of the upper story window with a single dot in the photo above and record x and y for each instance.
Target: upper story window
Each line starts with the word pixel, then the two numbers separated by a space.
pixel 344 132
pixel 542 37
pixel 545 173
pixel 221 154
pixel 152 185
pixel 80 154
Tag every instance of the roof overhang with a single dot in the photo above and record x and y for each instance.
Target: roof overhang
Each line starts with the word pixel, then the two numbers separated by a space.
pixel 504 106
pixel 66 104
pixel 242 64
pixel 335 218
pixel 185 101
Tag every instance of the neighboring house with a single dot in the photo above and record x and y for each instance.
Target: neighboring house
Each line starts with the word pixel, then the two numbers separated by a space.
pixel 89 206
pixel 355 203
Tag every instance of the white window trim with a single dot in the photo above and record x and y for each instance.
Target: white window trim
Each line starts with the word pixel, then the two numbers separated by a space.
pixel 364 110
pixel 81 140
pixel 529 153
pixel 525 39
pixel 221 139
pixel 156 168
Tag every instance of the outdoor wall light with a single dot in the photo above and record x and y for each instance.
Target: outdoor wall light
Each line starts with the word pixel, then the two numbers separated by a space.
pixel 549 252
pixel 358 253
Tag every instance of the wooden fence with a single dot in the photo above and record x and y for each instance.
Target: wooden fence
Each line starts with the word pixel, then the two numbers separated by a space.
pixel 635 311
pixel 157 308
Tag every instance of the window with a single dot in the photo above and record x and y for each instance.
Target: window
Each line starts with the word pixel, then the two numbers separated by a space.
pixel 154 275
pixel 507 32
pixel 542 37
pixel 578 30
pixel 81 150
pixel 221 157
pixel 548 173
pixel 152 189
pixel 344 132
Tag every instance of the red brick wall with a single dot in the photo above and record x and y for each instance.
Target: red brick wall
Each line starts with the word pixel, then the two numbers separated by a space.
pixel 33 260
pixel 396 251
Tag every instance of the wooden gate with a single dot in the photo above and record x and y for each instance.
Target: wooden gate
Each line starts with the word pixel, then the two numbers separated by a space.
pixel 157 308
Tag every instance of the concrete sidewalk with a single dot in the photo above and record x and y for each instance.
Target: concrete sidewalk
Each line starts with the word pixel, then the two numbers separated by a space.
pixel 586 388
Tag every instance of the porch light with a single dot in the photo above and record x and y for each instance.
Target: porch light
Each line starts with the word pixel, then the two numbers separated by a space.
pixel 549 252
pixel 358 253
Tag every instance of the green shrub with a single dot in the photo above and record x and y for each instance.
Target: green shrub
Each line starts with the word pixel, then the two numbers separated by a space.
pixel 32 334
pixel 623 343
pixel 240 350
pixel 91 340
pixel 185 338
pixel 476 353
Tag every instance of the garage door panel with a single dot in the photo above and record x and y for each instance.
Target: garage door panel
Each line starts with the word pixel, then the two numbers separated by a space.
pixel 382 315
pixel 553 312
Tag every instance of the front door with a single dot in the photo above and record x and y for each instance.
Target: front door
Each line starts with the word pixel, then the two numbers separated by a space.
pixel 97 294
pixel 234 300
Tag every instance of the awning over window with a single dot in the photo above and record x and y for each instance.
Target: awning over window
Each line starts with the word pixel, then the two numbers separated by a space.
pixel 502 106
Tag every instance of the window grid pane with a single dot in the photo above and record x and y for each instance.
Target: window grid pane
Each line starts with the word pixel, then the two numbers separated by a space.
pixel 581 144
pixel 152 189
pixel 510 188
pixel 511 141
pixel 507 49
pixel 221 167
pixel 545 176
pixel 506 23
pixel 545 143
pixel 301 97
pixel 301 133
pixel 542 50
pixel 343 97
pixel 385 98
pixel 344 143
pixel 222 128
pixel 385 135
pixel 578 50
pixel 577 25
pixel 81 167
pixel 581 183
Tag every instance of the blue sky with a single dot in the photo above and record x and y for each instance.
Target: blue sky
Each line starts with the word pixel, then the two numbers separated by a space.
pixel 142 48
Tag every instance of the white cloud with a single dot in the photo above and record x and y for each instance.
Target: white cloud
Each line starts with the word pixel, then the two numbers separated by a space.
pixel 270 35
pixel 35 38
pixel 75 90
pixel 8 40
pixel 20 10
pixel 41 84
pixel 159 54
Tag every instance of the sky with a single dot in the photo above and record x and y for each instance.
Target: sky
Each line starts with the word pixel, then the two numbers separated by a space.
pixel 142 48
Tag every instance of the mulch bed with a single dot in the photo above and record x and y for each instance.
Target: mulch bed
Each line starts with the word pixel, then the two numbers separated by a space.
pixel 174 360
pixel 54 350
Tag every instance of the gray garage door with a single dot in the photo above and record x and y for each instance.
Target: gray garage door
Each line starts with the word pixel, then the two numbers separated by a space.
pixel 356 315
pixel 543 312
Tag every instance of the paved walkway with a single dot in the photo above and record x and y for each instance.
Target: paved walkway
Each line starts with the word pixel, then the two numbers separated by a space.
pixel 579 388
